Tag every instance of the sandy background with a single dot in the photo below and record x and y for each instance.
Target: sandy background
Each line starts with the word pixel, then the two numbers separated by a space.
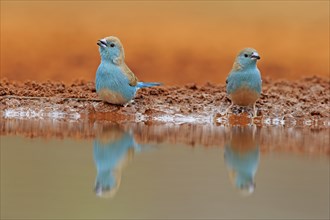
pixel 171 42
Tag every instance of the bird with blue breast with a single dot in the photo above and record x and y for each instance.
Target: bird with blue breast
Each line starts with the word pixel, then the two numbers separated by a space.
pixel 244 80
pixel 115 83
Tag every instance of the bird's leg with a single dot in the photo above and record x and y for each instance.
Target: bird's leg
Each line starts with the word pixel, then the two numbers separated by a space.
pixel 254 111
pixel 128 103
pixel 229 107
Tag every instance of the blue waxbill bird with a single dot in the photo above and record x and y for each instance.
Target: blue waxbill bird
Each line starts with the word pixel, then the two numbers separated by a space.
pixel 244 80
pixel 115 83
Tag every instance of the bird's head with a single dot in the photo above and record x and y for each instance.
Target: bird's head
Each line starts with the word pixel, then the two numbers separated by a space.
pixel 246 58
pixel 107 183
pixel 247 189
pixel 111 50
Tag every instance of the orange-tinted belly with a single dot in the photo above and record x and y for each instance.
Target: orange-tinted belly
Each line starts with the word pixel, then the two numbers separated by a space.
pixel 112 97
pixel 244 96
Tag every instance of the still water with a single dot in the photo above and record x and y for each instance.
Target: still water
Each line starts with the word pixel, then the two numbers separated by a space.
pixel 103 170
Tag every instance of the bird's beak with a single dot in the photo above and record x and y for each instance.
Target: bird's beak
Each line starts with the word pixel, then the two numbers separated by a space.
pixel 255 56
pixel 102 43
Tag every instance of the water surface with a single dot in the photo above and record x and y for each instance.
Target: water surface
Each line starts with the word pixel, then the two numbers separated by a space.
pixel 96 170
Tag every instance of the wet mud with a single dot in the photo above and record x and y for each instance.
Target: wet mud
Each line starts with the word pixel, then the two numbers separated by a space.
pixel 283 100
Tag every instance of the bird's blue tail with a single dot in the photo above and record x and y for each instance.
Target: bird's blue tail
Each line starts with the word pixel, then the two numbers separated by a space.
pixel 150 84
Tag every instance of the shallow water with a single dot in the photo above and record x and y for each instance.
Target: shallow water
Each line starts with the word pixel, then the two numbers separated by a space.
pixel 100 169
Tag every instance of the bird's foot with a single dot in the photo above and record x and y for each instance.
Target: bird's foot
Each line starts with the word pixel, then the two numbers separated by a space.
pixel 227 110
pixel 255 112
pixel 128 103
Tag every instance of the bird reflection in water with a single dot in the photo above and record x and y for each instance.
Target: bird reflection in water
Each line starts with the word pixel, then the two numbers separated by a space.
pixel 242 158
pixel 113 149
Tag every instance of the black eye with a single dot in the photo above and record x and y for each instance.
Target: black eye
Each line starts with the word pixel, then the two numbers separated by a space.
pixel 246 55
pixel 112 45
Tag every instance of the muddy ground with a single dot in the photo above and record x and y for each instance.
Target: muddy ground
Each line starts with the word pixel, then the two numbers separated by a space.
pixel 307 98
pixel 192 114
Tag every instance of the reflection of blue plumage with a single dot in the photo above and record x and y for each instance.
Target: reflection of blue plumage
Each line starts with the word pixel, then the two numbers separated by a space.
pixel 244 165
pixel 242 158
pixel 109 156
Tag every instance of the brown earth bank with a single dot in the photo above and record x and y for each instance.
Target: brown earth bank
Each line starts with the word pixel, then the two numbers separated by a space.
pixel 306 99
pixel 271 139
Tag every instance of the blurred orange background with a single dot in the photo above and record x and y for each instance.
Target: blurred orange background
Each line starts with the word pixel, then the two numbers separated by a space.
pixel 167 41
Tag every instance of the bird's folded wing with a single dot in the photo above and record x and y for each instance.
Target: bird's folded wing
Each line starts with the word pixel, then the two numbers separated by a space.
pixel 130 75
